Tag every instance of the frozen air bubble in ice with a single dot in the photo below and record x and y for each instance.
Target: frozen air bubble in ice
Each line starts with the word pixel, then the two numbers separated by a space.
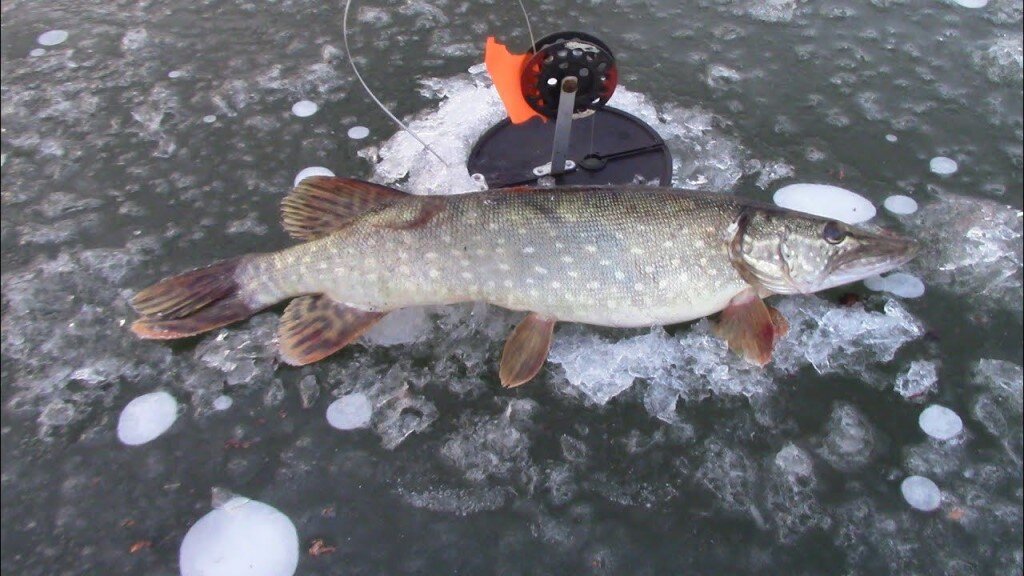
pixel 898 283
pixel 358 132
pixel 241 536
pixel 826 201
pixel 311 171
pixel 921 493
pixel 304 108
pixel 36 52
pixel 972 3
pixel 52 37
pixel 942 165
pixel 350 412
pixel 146 418
pixel 940 422
pixel 891 138
pixel 209 118
pixel 222 402
pixel 900 204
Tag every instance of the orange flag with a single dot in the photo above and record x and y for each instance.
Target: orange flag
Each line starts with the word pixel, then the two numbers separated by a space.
pixel 505 69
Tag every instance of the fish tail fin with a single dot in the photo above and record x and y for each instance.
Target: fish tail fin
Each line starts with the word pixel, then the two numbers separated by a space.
pixel 191 303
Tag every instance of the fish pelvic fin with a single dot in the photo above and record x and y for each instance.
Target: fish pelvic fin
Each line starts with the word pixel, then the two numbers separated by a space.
pixel 526 350
pixel 320 205
pixel 313 327
pixel 191 303
pixel 751 327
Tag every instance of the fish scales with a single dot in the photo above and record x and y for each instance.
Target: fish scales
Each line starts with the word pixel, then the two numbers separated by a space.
pixel 628 256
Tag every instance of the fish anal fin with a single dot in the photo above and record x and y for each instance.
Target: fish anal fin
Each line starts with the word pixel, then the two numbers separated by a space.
pixel 320 205
pixel 751 328
pixel 526 350
pixel 314 327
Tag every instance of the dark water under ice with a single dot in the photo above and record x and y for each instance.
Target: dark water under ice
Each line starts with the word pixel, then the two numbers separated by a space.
pixel 159 136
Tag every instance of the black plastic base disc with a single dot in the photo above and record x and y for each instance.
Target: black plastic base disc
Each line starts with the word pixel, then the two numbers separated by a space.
pixel 608 147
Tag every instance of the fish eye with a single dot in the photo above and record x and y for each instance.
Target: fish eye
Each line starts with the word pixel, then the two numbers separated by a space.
pixel 832 233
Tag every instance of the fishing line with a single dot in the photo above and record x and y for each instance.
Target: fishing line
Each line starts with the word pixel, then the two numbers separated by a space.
pixel 533 43
pixel 352 61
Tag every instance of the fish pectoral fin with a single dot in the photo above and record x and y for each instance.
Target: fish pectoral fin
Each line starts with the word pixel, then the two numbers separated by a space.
pixel 314 327
pixel 750 327
pixel 526 350
pixel 320 205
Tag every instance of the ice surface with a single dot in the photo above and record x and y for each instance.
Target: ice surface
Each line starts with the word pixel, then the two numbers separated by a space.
pixel 897 283
pixel 900 204
pixel 304 108
pixel 358 132
pixel 972 247
pixel 145 418
pixel 850 440
pixel 999 403
pixel 940 422
pixel 921 493
pixel 942 165
pixel 311 171
pixel 241 537
pixel 919 380
pixel 52 37
pixel 350 412
pixel 1003 59
pixel 826 201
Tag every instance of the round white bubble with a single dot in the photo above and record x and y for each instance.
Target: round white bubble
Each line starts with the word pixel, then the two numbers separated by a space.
pixel 826 201
pixel 891 138
pixel 304 108
pixel 146 418
pixel 209 118
pixel 942 165
pixel 222 402
pixel 37 52
pixel 175 74
pixel 242 537
pixel 972 3
pixel 898 283
pixel 52 37
pixel 921 493
pixel 311 171
pixel 940 422
pixel 900 204
pixel 358 132
pixel 350 412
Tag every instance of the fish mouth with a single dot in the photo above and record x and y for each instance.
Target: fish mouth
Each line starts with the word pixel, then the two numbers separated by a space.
pixel 876 253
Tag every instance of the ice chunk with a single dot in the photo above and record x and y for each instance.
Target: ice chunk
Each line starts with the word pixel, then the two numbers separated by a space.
pixel 241 537
pixel 826 201
pixel 350 412
pixel 358 132
pixel 899 283
pixel 492 446
pixel 918 380
pixel 900 204
pixel 942 165
pixel 403 326
pixel 940 422
pixel 921 493
pixel 52 37
pixel 311 171
pixel 147 417
pixel 849 439
pixel 222 402
pixel 304 108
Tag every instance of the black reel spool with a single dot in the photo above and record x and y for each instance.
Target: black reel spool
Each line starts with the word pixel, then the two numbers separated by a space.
pixel 569 54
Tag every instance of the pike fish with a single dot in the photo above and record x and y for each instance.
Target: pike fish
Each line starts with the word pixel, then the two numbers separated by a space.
pixel 621 256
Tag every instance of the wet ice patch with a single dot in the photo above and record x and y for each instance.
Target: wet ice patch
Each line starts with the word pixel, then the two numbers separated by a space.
pixel 940 422
pixel 826 201
pixel 147 417
pixel 898 283
pixel 921 493
pixel 304 108
pixel 942 166
pixel 350 412
pixel 311 171
pixel 240 537
pixel 900 204
pixel 52 37
pixel 358 132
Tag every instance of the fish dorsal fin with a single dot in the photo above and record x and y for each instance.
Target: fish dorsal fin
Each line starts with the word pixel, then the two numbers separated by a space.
pixel 314 327
pixel 751 327
pixel 526 350
pixel 320 205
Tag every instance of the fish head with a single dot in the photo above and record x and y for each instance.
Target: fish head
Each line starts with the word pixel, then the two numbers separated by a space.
pixel 790 252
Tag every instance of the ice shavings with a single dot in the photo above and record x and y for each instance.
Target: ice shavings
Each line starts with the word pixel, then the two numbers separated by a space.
pixel 826 201
pixel 919 380
pixel 147 417
pixel 240 537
